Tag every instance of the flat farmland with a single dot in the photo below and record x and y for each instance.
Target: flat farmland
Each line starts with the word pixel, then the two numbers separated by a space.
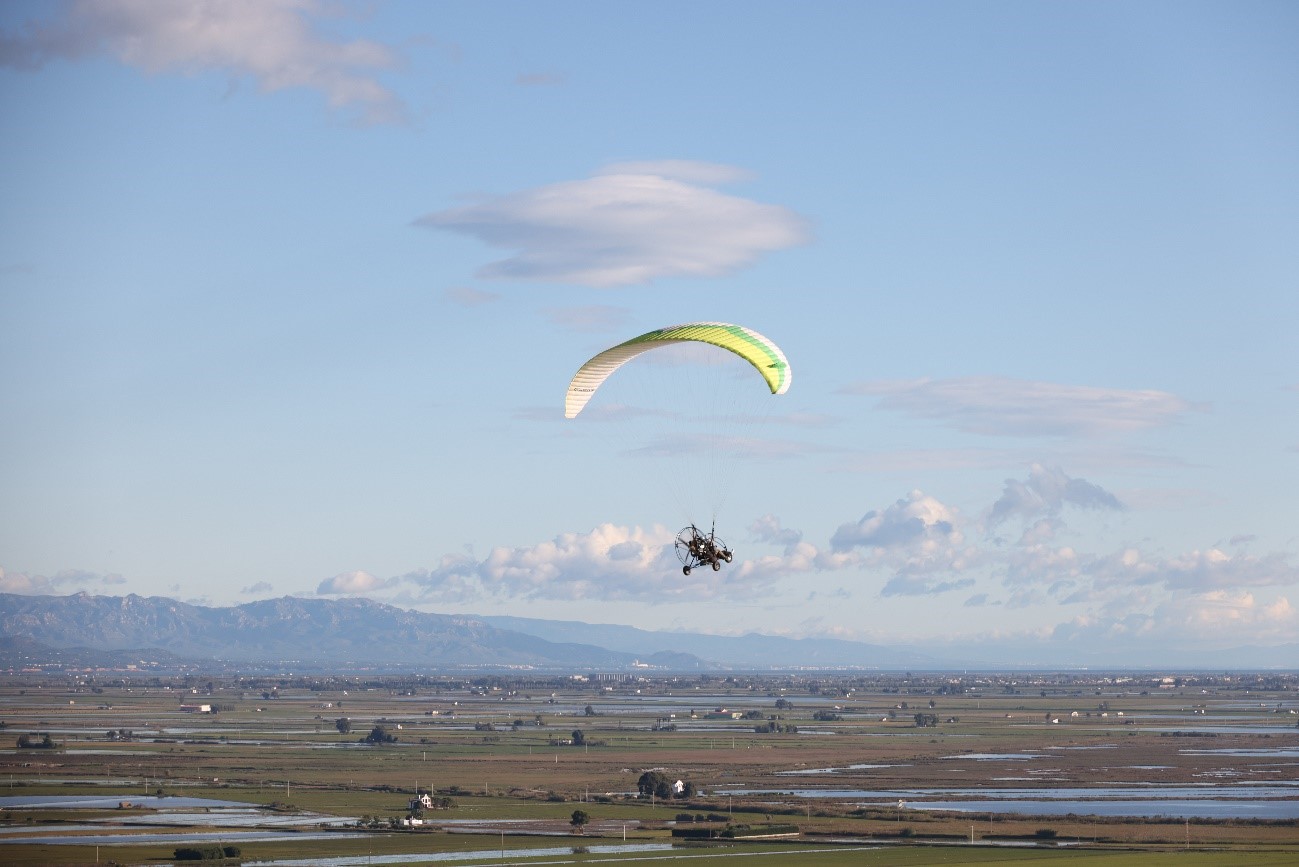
pixel 889 769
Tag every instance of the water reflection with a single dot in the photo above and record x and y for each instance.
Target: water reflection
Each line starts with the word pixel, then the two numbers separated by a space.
pixel 492 855
pixel 135 839
pixel 1243 800
pixel 1206 808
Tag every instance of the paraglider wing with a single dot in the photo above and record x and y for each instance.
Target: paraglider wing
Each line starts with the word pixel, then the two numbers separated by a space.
pixel 760 352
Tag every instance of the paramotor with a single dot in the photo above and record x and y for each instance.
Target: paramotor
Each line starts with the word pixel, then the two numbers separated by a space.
pixel 696 548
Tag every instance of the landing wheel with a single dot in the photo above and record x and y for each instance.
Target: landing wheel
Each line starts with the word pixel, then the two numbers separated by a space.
pixel 716 566
pixel 686 544
pixel 729 555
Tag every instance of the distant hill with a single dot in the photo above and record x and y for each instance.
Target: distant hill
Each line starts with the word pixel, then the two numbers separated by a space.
pixel 17 654
pixel 338 634
pixel 752 651
pixel 310 631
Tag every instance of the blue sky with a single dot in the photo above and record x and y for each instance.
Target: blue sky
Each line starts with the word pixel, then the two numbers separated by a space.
pixel 291 293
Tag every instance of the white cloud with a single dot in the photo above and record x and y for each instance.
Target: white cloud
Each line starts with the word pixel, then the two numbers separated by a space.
pixel 1046 492
pixel 609 562
pixel 272 42
pixel 907 523
pixel 768 529
pixel 348 583
pixel 798 558
pixel 25 585
pixel 613 562
pixel 629 225
pixel 60 583
pixel 917 538
pixel 1211 569
pixel 1042 564
pixel 454 579
pixel 999 406
pixel 258 589
pixel 1227 611
pixel 1211 618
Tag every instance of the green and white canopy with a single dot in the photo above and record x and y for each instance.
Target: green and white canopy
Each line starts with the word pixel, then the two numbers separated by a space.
pixel 760 352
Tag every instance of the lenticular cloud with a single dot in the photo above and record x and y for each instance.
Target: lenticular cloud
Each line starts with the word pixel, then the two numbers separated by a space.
pixel 631 224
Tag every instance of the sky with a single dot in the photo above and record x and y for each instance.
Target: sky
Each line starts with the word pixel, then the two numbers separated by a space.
pixel 291 292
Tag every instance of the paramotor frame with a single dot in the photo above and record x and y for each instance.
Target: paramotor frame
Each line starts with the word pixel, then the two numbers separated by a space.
pixel 696 548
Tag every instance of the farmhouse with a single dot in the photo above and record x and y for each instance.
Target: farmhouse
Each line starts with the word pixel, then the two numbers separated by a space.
pixel 723 713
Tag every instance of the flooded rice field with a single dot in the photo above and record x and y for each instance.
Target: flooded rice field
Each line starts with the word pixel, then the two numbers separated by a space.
pixel 333 763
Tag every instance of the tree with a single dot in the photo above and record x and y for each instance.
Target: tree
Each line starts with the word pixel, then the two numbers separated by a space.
pixel 377 735
pixel 579 739
pixel 343 724
pixel 656 784
pixel 590 711
pixel 580 818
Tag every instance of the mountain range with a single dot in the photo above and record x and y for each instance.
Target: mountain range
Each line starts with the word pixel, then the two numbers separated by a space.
pixel 313 633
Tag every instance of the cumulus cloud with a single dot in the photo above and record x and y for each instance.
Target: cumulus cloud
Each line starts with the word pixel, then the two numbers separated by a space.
pixel 914 520
pixel 1130 578
pixel 798 559
pixel 257 589
pixel 273 42
pixel 1226 610
pixel 630 224
pixel 768 529
pixel 1208 618
pixel 350 583
pixel 453 579
pixel 59 583
pixel 24 584
pixel 613 562
pixel 1000 406
pixel 917 538
pixel 1043 564
pixel 609 562
pixel 1046 492
pixel 1211 569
